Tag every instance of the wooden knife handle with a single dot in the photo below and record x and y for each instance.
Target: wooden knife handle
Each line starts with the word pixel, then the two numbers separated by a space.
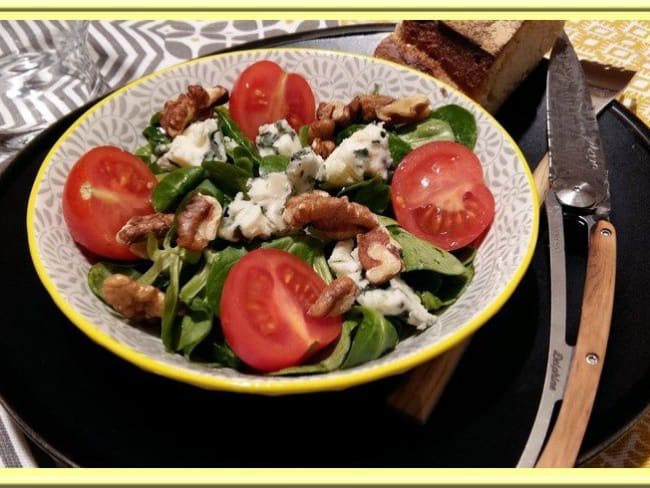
pixel 419 392
pixel 541 178
pixel 563 445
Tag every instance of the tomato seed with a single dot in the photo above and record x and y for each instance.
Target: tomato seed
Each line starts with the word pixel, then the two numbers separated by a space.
pixel 86 190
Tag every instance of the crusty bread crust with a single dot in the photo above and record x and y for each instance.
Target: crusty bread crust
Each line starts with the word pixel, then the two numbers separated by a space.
pixel 485 59
pixel 490 35
pixel 463 61
pixel 392 49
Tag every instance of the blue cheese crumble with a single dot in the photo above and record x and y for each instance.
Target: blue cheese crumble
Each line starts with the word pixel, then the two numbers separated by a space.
pixel 277 138
pixel 364 154
pixel 199 141
pixel 259 212
pixel 304 169
pixel 344 261
pixel 219 152
pixel 398 299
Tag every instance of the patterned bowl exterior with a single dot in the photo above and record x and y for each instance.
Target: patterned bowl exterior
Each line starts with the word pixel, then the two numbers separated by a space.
pixel 500 263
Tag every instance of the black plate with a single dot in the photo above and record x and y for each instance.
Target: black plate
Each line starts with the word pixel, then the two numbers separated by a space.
pixel 86 406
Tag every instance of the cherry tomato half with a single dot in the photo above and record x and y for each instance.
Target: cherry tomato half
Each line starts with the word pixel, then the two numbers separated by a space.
pixel 438 194
pixel 104 189
pixel 265 93
pixel 264 310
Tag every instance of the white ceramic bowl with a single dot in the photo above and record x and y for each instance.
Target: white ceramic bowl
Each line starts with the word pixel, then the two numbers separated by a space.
pixel 119 119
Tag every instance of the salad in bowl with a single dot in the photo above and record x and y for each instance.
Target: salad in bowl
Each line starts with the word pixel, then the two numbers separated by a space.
pixel 265 233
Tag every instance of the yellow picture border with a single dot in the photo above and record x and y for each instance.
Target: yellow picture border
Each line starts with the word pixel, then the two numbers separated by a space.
pixel 348 10
pixel 323 477
pixel 371 10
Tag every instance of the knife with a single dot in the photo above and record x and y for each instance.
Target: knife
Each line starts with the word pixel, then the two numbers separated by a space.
pixel 579 189
pixel 418 393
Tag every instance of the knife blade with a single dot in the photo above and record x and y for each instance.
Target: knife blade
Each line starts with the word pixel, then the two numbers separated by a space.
pixel 579 188
pixel 605 82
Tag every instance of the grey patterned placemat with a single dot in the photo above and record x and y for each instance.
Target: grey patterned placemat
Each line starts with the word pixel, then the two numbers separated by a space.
pixel 14 451
pixel 124 51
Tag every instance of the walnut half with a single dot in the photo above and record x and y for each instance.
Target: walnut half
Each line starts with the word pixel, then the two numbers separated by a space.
pixel 323 147
pixel 132 299
pixel 336 299
pixel 336 112
pixel 405 110
pixel 335 217
pixel 198 222
pixel 379 255
pixel 321 129
pixel 189 107
pixel 137 228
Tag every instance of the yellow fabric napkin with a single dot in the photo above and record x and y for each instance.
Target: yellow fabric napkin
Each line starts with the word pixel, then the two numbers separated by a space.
pixel 631 450
pixel 619 43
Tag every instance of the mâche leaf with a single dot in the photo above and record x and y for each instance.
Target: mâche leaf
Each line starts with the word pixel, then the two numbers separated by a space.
pixel 244 146
pixel 331 362
pixel 461 121
pixel 398 148
pixel 273 163
pixel 171 189
pixel 219 268
pixel 229 178
pixel 418 254
pixel 306 248
pixel 374 336
pixel 195 327
pixel 429 130
pixel 373 193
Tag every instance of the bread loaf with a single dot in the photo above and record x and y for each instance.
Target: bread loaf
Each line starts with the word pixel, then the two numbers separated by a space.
pixel 484 59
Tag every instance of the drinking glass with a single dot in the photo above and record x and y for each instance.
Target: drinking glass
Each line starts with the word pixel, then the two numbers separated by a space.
pixel 46 71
